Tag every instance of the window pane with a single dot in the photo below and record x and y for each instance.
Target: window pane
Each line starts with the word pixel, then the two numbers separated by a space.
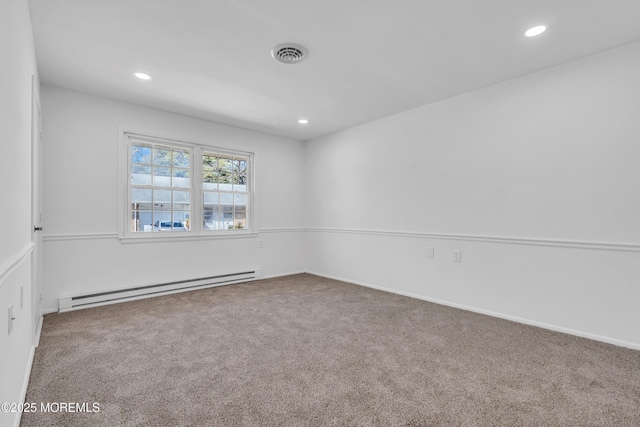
pixel 162 221
pixel 135 221
pixel 146 221
pixel 162 155
pixel 226 202
pixel 226 175
pixel 241 183
pixel 180 178
pixel 140 175
pixel 240 165
pixel 181 221
pixel 225 164
pixel 139 195
pixel 209 162
pixel 241 200
pixel 208 218
pixel 209 179
pixel 240 220
pixel 141 221
pixel 162 200
pixel 212 219
pixel 141 153
pixel 210 211
pixel 161 177
pixel 227 221
pixel 181 200
pixel 211 199
pixel 180 157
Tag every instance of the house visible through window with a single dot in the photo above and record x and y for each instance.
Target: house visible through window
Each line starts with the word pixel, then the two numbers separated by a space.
pixel 164 195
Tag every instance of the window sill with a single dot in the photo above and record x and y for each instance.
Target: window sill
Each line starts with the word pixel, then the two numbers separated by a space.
pixel 184 237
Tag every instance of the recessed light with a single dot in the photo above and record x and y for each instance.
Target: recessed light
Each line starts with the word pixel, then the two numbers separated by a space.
pixel 536 31
pixel 142 76
pixel 303 121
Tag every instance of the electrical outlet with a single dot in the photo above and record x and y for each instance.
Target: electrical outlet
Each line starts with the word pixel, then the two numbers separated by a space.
pixel 260 244
pixel 10 319
pixel 430 252
pixel 21 296
pixel 457 256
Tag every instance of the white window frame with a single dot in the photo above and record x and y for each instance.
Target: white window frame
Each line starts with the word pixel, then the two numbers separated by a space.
pixel 197 193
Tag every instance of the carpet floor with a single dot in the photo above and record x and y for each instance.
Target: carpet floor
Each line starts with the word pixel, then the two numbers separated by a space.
pixel 308 351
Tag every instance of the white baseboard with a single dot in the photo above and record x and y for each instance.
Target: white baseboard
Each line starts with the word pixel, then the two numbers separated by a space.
pixel 27 374
pixel 38 332
pixel 620 343
pixel 25 385
pixel 291 273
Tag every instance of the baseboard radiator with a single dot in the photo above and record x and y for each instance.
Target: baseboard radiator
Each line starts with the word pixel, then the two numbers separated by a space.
pixel 129 294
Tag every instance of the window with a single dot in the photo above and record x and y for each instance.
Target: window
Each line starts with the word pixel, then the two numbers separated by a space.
pixel 160 187
pixel 225 191
pixel 192 190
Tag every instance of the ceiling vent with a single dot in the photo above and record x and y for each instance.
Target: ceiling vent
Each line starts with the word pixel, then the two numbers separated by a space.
pixel 289 53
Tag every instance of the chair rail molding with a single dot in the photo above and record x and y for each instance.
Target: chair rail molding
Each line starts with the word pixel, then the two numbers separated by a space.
pixel 611 246
pixel 12 264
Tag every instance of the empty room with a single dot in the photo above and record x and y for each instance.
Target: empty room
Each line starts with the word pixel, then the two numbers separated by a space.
pixel 332 213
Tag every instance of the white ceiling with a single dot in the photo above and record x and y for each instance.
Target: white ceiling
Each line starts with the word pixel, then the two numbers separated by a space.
pixel 367 58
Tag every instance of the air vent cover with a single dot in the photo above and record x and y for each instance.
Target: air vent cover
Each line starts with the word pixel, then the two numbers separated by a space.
pixel 289 53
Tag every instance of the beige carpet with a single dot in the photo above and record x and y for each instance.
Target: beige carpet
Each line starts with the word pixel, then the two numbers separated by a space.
pixel 307 351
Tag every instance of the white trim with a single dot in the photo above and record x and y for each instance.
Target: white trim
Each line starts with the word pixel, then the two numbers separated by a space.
pixel 291 273
pixel 13 263
pixel 226 235
pixel 611 246
pixel 178 237
pixel 621 343
pixel 146 239
pixel 36 339
pixel 122 180
pixel 78 236
pixel 25 384
pixel 282 230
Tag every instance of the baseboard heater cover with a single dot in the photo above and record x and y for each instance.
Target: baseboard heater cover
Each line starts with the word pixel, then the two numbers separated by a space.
pixel 129 294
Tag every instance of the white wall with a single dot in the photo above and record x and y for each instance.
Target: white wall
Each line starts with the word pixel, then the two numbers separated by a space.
pixel 18 67
pixel 82 252
pixel 535 180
